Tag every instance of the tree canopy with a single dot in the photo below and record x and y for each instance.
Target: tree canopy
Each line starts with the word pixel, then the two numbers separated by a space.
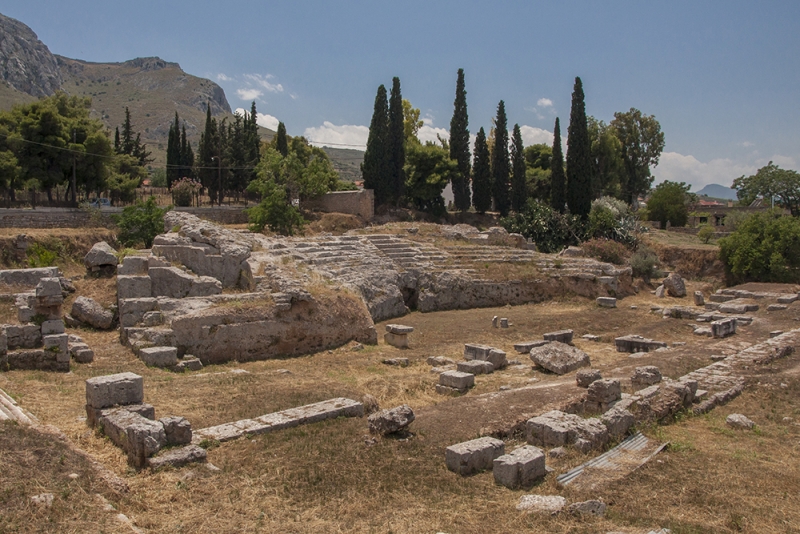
pixel 428 171
pixel 481 175
pixel 579 156
pixel 396 144
pixel 770 182
pixel 669 202
pixel 642 142
pixel 501 173
pixel 375 167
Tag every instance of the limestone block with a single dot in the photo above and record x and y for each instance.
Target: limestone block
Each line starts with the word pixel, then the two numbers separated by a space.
pixel 699 300
pixel 473 351
pixel 170 282
pixel 503 322
pixel 475 367
pixel 585 377
pixel 738 307
pixel 724 327
pixel 133 287
pixel 100 255
pixel 562 336
pixel 593 507
pixel 618 421
pixel 177 429
pixel 458 380
pixel 543 504
pixel 108 390
pixel 603 391
pixel 606 302
pixel 3 340
pixel 58 344
pixel 590 337
pixel 399 341
pixel 521 468
pixel 153 318
pixel 133 265
pixel 645 376
pixel 83 355
pixel 396 362
pixel 633 343
pixel 25 314
pixel 159 356
pixel 720 298
pixel 787 299
pixel 178 457
pixel 776 307
pixel 439 361
pixel 525 347
pixel 92 313
pixel 390 421
pixel 34 359
pixel 739 421
pixel 660 291
pixel 188 363
pixel 54 326
pixel 132 311
pixel 674 285
pixel 497 358
pixel 473 456
pixel 139 437
pixel 93 415
pixel 203 286
pixel 557 428
pixel 27 277
pixel 559 358
pixel 48 287
pixel 27 336
pixel 399 329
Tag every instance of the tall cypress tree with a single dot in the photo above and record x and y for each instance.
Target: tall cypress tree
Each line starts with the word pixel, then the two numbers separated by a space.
pixel 173 153
pixel 579 156
pixel 481 175
pixel 126 140
pixel 519 191
pixel 375 168
pixel 500 167
pixel 207 151
pixel 186 155
pixel 396 144
pixel 558 180
pixel 117 144
pixel 281 143
pixel 459 145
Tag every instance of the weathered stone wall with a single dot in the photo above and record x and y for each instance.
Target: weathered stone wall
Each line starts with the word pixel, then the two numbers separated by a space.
pixel 78 218
pixel 361 203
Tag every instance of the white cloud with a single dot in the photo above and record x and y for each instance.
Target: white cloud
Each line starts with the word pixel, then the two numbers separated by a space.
pixel 248 93
pixel 262 119
pixel 544 103
pixel 532 135
pixel 345 136
pixel 746 144
pixel 264 81
pixel 679 168
pixel 223 78
pixel 428 133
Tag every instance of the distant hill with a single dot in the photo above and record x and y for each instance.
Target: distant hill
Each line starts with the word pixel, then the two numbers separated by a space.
pixel 346 161
pixel 718 191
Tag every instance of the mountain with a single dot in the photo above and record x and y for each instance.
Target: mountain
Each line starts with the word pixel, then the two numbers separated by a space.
pixel 152 88
pixel 718 191
pixel 346 161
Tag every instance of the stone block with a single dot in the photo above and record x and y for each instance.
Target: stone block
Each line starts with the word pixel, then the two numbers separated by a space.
pixel 634 343
pixel 562 336
pixel 645 376
pixel 475 367
pixel 100 255
pixel 26 336
pixel 606 302
pixel 188 363
pixel 133 265
pixel 178 457
pixel 521 468
pixel 3 340
pixel 34 359
pixel 83 355
pixel 674 285
pixel 739 421
pixel 139 437
pixel 497 358
pixel 399 341
pixel 787 299
pixel 204 286
pixel 724 327
pixel 49 287
pixel 108 390
pixel 555 429
pixel 603 392
pixel 27 277
pixel 458 380
pixel 159 356
pixel 661 291
pixel 170 282
pixel 58 344
pixel 387 422
pixel 720 298
pixel 737 307
pixel 177 429
pixel 776 307
pixel 396 362
pixel 542 504
pixel 591 337
pixel 588 508
pixel 93 415
pixel 55 326
pixel 399 329
pixel 25 314
pixel 618 421
pixel 439 361
pixel 92 313
pixel 503 322
pixel 474 351
pixel 132 311
pixel 559 358
pixel 447 390
pixel 585 377
pixel 699 299
pixel 775 333
pixel 133 287
pixel 525 347
pixel 473 456
pixel 153 318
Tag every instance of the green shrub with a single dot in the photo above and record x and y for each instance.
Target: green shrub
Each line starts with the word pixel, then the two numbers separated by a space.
pixel 765 248
pixel 549 229
pixel 644 263
pixel 706 233
pixel 184 190
pixel 140 223
pixel 274 211
pixel 611 219
pixel 41 256
pixel 669 202
pixel 734 219
pixel 605 250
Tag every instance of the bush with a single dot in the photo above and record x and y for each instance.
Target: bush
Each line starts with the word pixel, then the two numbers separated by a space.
pixel 706 233
pixel 606 250
pixel 184 190
pixel 41 256
pixel 669 203
pixel 611 219
pixel 140 223
pixel 644 263
pixel 549 229
pixel 765 248
pixel 734 219
pixel 274 211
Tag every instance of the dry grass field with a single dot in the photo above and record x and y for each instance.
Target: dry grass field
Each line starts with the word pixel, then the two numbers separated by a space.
pixel 332 477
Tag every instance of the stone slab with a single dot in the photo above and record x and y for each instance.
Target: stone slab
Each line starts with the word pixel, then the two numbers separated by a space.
pixel 399 329
pixel 458 380
pixel 399 341
pixel 526 346
pixel 475 367
pixel 634 343
pixel 723 327
pixel 108 390
pixel 559 358
pixel 178 457
pixel 474 455
pixel 521 468
pixel 159 356
pixel 27 277
pixel 606 302
pixel 133 287
pixel 562 336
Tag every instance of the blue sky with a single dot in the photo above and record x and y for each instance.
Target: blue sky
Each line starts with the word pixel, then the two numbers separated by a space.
pixel 721 77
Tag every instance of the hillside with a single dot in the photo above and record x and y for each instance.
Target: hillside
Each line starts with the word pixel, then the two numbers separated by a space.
pixel 718 191
pixel 347 162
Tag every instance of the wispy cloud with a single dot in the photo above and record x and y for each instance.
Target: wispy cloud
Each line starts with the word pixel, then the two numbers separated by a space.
pixel 249 93
pixel 262 119
pixel 746 144
pixel 544 103
pixel 223 78
pixel 344 136
pixel 264 82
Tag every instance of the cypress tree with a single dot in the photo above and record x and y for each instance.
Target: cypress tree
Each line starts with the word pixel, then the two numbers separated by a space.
pixel 519 192
pixel 558 181
pixel 206 152
pixel 173 153
pixel 281 144
pixel 500 167
pixel 126 140
pixel 375 168
pixel 186 155
pixel 481 175
pixel 459 145
pixel 116 141
pixel 579 156
pixel 396 144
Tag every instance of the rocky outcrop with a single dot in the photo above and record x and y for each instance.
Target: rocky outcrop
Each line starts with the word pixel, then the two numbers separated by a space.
pixel 26 63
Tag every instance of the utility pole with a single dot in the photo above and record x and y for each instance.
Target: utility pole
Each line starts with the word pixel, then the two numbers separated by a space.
pixel 74 179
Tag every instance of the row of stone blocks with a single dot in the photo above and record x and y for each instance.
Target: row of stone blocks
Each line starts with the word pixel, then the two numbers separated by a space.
pixel 519 469
pixel 115 403
pixel 150 276
pixel 479 359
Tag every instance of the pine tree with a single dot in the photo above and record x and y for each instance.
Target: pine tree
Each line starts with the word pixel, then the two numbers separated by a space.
pixel 500 167
pixel 519 191
pixel 375 168
pixel 481 175
pixel 459 145
pixel 396 144
pixel 281 144
pixel 558 181
pixel 579 156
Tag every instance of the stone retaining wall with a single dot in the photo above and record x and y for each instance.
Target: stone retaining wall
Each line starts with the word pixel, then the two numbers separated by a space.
pixel 79 218
pixel 361 203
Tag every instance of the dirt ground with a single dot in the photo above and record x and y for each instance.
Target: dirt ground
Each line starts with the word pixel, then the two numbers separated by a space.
pixel 331 477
